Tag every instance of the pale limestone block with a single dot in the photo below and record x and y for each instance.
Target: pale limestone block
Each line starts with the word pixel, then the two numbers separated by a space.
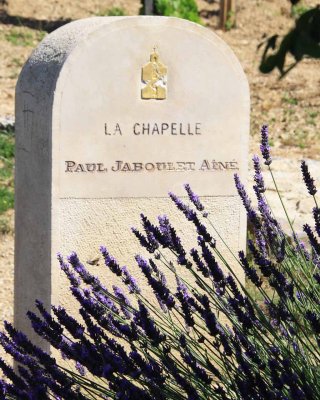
pixel 92 153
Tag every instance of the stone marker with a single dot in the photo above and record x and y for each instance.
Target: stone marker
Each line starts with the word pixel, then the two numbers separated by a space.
pixel 111 114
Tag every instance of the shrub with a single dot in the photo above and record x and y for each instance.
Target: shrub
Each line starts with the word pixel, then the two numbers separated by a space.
pixel 112 12
pixel 186 9
pixel 6 170
pixel 116 12
pixel 303 41
pixel 206 338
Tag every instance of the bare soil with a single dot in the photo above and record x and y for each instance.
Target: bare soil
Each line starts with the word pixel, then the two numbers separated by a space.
pixel 290 106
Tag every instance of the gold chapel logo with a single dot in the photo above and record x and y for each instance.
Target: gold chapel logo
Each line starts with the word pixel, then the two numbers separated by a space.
pixel 154 76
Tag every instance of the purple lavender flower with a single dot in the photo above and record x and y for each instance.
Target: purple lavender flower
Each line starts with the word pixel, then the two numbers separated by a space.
pixel 104 300
pixel 40 378
pixel 82 271
pixel 143 264
pixel 3 389
pixel 89 304
pixel 183 341
pixel 182 382
pixel 243 317
pixel 124 301
pixel 261 260
pixel 162 304
pixel 232 285
pixel 199 263
pixel 261 242
pixel 191 216
pixel 250 272
pixel 9 373
pixel 281 251
pixel 149 242
pixel 182 288
pixel 265 147
pixel 167 237
pixel 203 232
pixel 11 348
pixel 267 214
pixel 48 318
pixel 21 340
pixel 143 319
pixel 164 228
pixel 110 261
pixel 314 320
pixel 258 178
pixel 187 211
pixel 208 315
pixel 317 278
pixel 316 217
pixel 308 180
pixel 153 233
pixel 252 215
pixel 194 198
pixel 69 322
pixel 148 373
pixel 159 286
pixel 278 312
pixel 43 329
pixel 148 367
pixel 176 246
pixel 302 247
pixel 74 280
pixel 80 368
pixel 316 260
pixel 128 391
pixel 129 280
pixel 312 239
pixel 214 269
pixel 183 296
pixel 199 371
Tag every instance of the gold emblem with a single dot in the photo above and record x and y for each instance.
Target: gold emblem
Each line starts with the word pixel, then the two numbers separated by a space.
pixel 154 76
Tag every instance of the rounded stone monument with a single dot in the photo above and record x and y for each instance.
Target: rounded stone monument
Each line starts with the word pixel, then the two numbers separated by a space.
pixel 111 114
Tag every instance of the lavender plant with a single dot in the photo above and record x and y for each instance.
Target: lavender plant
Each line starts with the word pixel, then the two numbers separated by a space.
pixel 205 338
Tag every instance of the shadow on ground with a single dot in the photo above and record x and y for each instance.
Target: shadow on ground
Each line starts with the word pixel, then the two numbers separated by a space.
pixel 32 23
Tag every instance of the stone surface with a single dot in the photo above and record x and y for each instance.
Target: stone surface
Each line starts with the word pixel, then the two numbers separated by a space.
pixel 92 153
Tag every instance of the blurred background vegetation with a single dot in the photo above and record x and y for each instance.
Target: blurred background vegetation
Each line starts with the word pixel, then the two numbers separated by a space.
pixel 6 177
pixel 300 42
pixel 270 38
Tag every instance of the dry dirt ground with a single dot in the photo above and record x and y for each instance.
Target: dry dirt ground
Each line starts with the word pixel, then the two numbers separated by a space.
pixel 290 106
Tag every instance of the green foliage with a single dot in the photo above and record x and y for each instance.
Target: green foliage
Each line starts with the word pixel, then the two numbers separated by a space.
pixel 6 199
pixel 290 100
pixel 230 22
pixel 301 42
pixel 23 38
pixel 311 116
pixel 112 12
pixel 6 171
pixel 116 12
pixel 299 9
pixel 186 9
pixel 19 39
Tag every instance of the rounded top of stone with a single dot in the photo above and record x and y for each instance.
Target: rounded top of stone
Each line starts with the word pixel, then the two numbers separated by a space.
pixel 92 89
pixel 55 47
